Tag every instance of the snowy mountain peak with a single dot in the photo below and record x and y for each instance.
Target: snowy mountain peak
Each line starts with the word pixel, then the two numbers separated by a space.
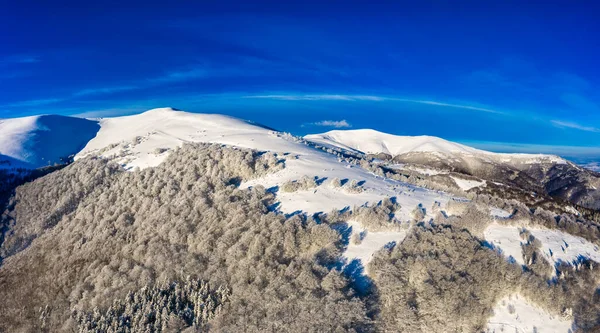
pixel 372 142
pixel 143 140
pixel 37 141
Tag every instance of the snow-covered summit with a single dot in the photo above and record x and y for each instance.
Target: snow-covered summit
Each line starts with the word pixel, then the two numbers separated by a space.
pixel 37 141
pixel 143 140
pixel 372 142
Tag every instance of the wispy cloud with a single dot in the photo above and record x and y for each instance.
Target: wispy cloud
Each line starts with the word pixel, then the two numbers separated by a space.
pixel 35 102
pixel 573 125
pixel 373 98
pixel 495 77
pixel 449 105
pixel 104 90
pixel 19 59
pixel 330 123
pixel 322 97
pixel 580 102
pixel 178 76
pixel 14 75
pixel 170 77
pixel 27 59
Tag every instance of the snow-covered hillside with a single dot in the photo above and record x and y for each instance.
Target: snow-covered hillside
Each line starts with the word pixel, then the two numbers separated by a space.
pixel 557 246
pixel 370 141
pixel 37 141
pixel 515 314
pixel 145 140
pixel 535 173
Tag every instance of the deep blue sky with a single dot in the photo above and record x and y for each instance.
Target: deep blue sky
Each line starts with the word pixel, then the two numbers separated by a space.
pixel 505 76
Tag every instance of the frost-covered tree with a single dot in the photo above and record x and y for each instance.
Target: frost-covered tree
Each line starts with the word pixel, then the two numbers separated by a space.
pixel 96 233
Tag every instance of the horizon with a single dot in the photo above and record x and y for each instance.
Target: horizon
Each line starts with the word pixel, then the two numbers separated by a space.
pixel 505 76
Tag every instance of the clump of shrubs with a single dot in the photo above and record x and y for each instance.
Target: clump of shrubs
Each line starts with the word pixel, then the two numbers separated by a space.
pixel 532 255
pixel 335 183
pixel 379 216
pixel 303 184
pixel 353 186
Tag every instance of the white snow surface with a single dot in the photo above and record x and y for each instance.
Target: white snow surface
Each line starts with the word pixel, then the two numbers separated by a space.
pixel 466 184
pixel 507 239
pixel 514 314
pixel 499 213
pixel 141 135
pixel 37 141
pixel 556 245
pixel 371 142
pixel 370 244
pixel 422 170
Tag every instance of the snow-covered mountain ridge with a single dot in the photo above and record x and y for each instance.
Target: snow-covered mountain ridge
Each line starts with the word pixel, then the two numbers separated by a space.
pixel 146 139
pixel 536 173
pixel 42 140
pixel 370 141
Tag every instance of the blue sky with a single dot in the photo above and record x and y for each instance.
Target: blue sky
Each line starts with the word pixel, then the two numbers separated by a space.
pixel 506 76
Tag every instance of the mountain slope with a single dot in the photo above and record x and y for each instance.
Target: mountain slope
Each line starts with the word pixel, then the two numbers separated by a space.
pixel 37 141
pixel 536 173
pixel 146 139
pixel 370 141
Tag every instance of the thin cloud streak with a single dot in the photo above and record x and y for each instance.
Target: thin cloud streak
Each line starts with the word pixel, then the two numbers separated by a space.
pixel 178 76
pixel 320 97
pixel 35 102
pixel 105 90
pixel 572 125
pixel 457 106
pixel 20 59
pixel 338 97
pixel 169 77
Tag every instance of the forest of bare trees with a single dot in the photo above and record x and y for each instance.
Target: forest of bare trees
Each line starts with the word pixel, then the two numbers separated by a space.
pixel 187 217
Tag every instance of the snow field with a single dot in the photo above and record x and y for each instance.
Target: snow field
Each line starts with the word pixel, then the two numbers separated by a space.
pixel 515 314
